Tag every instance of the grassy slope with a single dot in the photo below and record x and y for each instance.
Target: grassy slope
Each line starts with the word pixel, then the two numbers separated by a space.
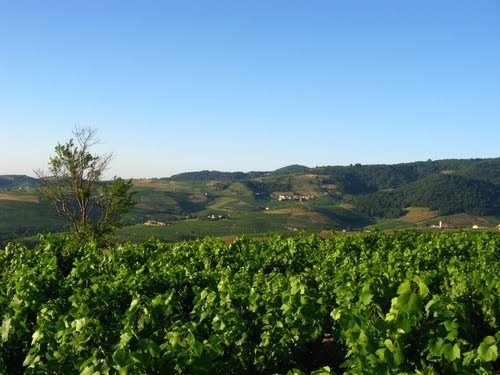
pixel 186 204
pixel 243 212
pixel 22 215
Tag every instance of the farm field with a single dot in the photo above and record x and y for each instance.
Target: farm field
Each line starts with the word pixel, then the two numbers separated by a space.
pixel 185 207
pixel 388 197
pixel 21 215
pixel 375 303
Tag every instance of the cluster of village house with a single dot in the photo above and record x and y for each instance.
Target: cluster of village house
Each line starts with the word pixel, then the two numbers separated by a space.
pixel 445 225
pixel 299 198
pixel 155 222
pixel 215 217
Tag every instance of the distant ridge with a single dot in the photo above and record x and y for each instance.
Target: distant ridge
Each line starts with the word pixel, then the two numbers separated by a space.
pixel 213 175
pixel 292 168
pixel 355 178
pixel 463 192
pixel 207 175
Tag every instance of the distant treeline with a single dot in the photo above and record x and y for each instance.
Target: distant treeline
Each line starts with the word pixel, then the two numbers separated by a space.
pixel 265 187
pixel 17 181
pixel 448 194
pixel 203 176
pixel 228 176
pixel 365 179
pixel 449 186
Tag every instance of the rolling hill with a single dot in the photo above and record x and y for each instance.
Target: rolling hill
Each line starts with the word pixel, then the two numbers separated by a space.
pixel 292 168
pixel 196 204
pixel 13 181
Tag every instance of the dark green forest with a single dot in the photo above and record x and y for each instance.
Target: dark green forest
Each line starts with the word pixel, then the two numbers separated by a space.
pixel 449 194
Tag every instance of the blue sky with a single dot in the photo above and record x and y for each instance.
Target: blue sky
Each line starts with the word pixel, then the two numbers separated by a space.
pixel 186 85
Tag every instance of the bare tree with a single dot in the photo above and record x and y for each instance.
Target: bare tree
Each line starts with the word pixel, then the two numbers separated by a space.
pixel 75 188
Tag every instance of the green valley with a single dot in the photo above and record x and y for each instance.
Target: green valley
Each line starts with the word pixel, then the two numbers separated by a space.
pixel 295 198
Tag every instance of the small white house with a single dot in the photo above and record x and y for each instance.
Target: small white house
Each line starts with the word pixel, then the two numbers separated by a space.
pixel 475 226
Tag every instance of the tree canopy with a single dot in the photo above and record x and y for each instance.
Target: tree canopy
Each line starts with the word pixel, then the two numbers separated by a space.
pixel 75 187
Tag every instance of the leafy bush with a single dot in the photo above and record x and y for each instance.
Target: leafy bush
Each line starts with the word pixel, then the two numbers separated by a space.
pixel 380 303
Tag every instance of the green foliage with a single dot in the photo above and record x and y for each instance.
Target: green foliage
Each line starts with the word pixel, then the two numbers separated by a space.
pixel 292 168
pixel 380 303
pixel 114 201
pixel 365 179
pixel 448 194
pixel 75 189
pixel 265 187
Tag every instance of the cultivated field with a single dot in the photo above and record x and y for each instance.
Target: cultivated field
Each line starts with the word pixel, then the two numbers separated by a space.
pixel 380 303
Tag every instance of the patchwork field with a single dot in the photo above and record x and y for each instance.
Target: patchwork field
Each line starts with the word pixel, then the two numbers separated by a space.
pixel 19 197
pixel 461 192
pixel 417 215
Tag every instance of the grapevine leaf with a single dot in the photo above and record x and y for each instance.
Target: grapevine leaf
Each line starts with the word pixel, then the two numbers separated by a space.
pixel 422 288
pixel 335 314
pixel 487 353
pixel 366 298
pixel 404 287
pixel 5 329
pixel 435 346
pixel 414 304
pixel 490 340
pixel 322 371
pixel 120 356
pixel 389 345
pixel 450 352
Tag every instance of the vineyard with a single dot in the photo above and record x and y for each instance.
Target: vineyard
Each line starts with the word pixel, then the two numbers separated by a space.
pixel 378 303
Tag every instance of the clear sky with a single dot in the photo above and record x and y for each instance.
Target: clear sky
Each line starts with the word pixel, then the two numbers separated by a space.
pixel 232 85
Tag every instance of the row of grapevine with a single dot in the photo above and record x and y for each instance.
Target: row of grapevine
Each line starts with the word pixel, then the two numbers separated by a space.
pixel 379 303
